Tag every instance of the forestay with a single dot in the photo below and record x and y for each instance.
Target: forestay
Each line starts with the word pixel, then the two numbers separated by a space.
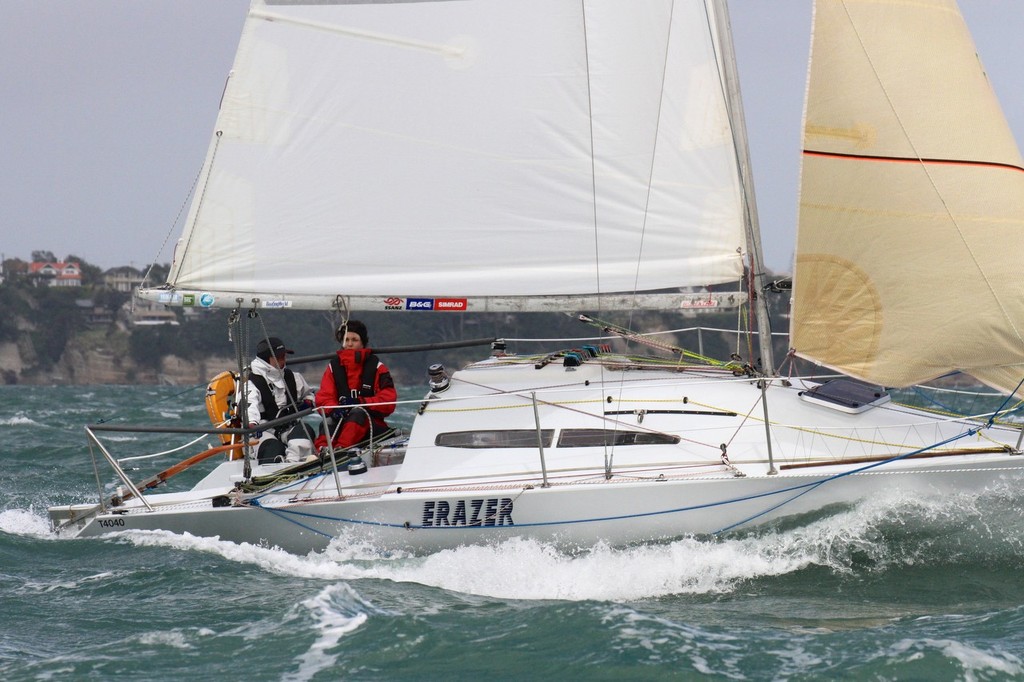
pixel 912 202
pixel 468 149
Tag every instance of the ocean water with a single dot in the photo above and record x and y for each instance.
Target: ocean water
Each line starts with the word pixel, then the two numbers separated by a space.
pixel 894 589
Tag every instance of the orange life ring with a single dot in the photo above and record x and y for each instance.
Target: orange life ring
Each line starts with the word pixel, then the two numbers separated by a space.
pixel 220 403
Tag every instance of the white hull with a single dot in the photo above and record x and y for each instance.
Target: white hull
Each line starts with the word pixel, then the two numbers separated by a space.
pixel 445 496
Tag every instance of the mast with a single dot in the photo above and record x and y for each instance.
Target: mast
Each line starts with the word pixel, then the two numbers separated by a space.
pixel 731 83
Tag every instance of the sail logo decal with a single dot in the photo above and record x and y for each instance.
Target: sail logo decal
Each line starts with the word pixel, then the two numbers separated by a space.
pixel 419 304
pixel 443 304
pixel 491 511
pixel 206 300
pixel 457 304
pixel 701 303
pixel 277 304
pixel 393 303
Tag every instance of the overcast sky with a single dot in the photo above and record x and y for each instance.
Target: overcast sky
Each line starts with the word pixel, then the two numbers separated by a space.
pixel 107 106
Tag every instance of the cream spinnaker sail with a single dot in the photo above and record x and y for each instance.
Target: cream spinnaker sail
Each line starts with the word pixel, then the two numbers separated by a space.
pixel 911 230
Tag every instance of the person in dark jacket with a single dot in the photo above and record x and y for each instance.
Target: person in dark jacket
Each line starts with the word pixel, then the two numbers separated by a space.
pixel 273 391
pixel 357 388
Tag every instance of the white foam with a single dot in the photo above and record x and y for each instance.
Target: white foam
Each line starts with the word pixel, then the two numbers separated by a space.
pixel 337 610
pixel 25 522
pixel 976 664
pixel 171 638
pixel 271 559
pixel 887 531
pixel 71 584
pixel 18 420
pixel 527 569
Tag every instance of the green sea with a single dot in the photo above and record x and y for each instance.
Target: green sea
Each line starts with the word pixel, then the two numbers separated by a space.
pixel 898 588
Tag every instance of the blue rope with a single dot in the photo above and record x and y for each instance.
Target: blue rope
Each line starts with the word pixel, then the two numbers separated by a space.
pixel 811 486
pixel 282 514
pixel 992 416
pixel 969 432
pixel 1012 393
pixel 921 394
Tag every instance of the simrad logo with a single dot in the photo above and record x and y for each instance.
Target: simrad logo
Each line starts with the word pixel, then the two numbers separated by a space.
pixel 456 304
pixel 419 304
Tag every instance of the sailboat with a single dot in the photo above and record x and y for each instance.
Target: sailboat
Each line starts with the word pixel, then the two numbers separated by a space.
pixel 445 158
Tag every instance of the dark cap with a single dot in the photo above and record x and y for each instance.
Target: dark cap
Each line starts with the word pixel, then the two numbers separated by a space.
pixel 275 347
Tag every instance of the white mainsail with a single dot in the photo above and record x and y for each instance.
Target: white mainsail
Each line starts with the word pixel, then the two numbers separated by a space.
pixel 428 148
pixel 912 201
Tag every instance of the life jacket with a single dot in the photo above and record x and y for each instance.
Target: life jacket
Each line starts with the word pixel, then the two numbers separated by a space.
pixel 270 409
pixel 368 379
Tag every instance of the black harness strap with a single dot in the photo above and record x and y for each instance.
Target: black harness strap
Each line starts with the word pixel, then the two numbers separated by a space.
pixel 369 377
pixel 270 407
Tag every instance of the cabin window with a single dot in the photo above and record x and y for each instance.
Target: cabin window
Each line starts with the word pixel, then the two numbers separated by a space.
pixel 496 438
pixel 585 438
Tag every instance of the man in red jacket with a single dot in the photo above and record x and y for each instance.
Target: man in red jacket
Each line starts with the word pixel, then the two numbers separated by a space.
pixel 358 387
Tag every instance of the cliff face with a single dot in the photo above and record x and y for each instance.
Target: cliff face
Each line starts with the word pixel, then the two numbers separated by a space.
pixel 90 364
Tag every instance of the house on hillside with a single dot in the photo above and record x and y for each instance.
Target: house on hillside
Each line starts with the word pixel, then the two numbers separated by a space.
pixel 124 278
pixel 149 314
pixel 95 315
pixel 55 274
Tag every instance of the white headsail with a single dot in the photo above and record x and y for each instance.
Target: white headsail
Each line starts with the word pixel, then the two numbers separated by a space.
pixel 912 201
pixel 469 149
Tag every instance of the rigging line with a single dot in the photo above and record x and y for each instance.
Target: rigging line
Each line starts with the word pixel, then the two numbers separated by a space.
pixel 992 419
pixel 285 515
pixel 643 340
pixel 593 161
pixel 291 400
pixel 741 157
pixel 122 460
pixel 603 416
pixel 170 231
pixel 957 391
pixel 654 156
pixel 800 490
pixel 941 408
pixel 830 431
pixel 208 170
pixel 593 182
pixel 924 167
pixel 739 428
pixel 808 487
pixel 157 402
